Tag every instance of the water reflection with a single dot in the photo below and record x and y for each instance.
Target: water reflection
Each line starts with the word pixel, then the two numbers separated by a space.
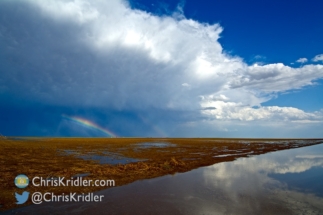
pixel 291 180
pixel 284 182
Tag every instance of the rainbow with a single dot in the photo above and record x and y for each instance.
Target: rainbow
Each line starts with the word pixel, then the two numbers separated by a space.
pixel 157 129
pixel 89 124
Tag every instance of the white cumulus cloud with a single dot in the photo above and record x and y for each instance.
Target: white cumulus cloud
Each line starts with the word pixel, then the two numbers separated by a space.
pixel 302 60
pixel 318 58
pixel 238 111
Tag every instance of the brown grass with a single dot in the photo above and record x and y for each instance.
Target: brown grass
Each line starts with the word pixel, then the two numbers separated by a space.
pixel 45 157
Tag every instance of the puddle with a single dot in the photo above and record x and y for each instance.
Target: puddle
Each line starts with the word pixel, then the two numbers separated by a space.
pixel 154 145
pixel 229 150
pixel 81 175
pixel 227 155
pixel 281 142
pixel 107 158
pixel 69 152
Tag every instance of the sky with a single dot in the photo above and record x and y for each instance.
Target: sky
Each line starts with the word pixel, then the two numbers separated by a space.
pixel 161 68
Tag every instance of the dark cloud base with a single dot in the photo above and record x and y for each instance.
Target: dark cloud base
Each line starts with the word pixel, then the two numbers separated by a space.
pixel 43 120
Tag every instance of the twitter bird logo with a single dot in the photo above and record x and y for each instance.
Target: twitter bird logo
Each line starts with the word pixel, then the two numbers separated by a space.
pixel 22 198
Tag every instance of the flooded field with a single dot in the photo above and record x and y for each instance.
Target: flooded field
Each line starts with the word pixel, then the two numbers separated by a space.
pixel 286 182
pixel 174 176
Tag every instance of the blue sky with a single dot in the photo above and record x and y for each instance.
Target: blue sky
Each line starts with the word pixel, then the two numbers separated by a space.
pixel 161 68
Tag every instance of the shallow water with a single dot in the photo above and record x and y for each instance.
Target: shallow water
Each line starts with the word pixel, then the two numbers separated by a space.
pixel 154 145
pixel 107 158
pixel 283 182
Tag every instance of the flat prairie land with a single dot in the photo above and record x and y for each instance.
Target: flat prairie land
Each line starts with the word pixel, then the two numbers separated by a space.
pixel 123 160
